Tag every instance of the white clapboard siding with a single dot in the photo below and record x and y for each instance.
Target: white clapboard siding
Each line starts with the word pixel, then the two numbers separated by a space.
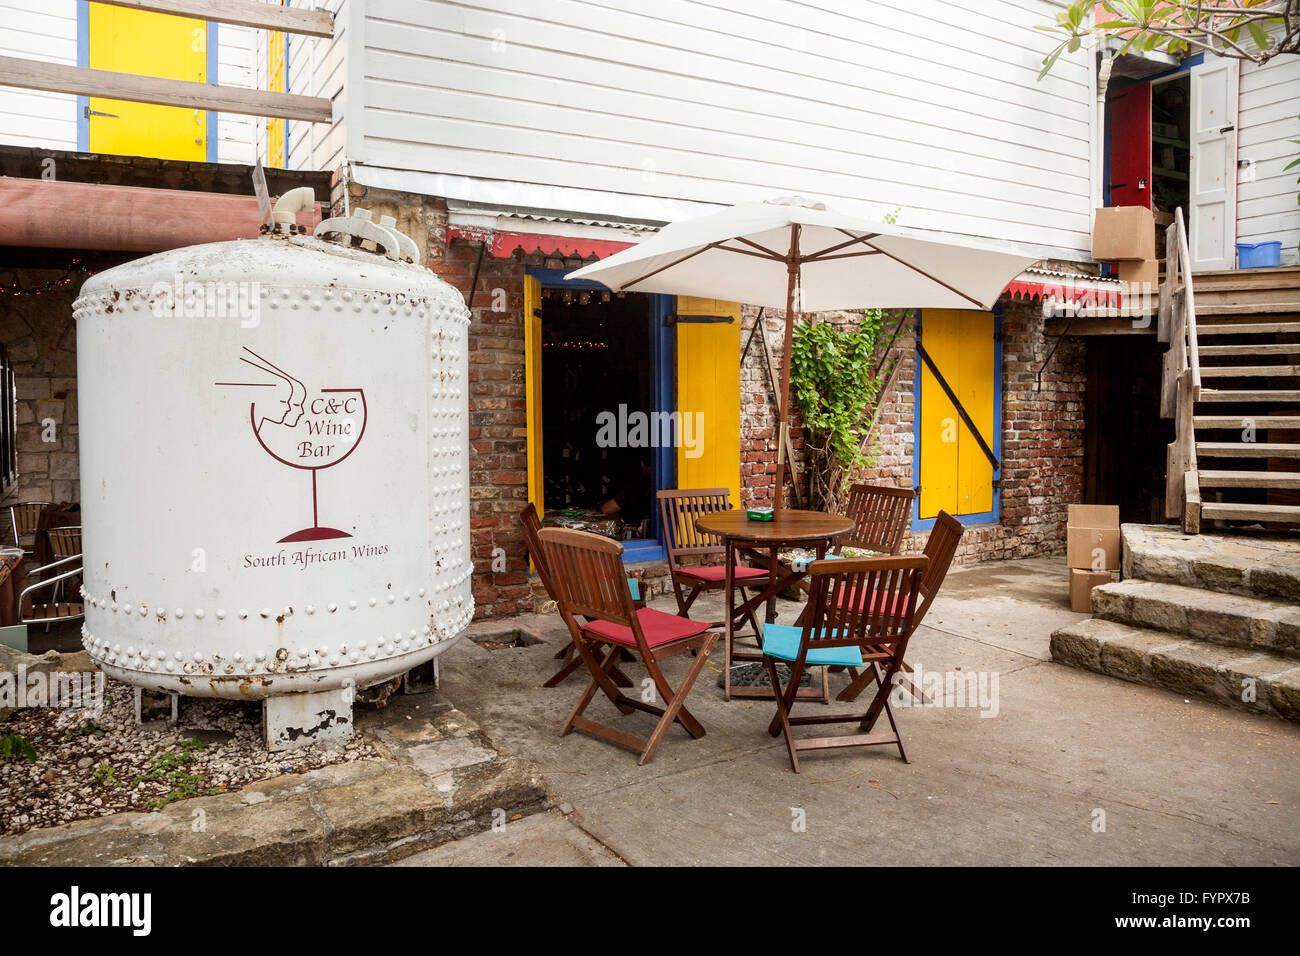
pixel 929 108
pixel 44 30
pixel 47 30
pixel 236 66
pixel 318 67
pixel 1268 117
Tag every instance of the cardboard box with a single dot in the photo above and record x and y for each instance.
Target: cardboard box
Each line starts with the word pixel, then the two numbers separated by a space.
pixel 1124 232
pixel 1091 529
pixel 1140 271
pixel 1081 585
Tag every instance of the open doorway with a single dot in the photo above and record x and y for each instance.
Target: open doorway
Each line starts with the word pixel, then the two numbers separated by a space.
pixel 598 368
pixel 1171 145
pixel 1125 438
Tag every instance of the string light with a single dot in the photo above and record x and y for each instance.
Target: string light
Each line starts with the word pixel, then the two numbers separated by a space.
pixel 76 271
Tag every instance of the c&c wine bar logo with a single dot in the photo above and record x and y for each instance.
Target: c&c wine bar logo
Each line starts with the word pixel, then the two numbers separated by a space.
pixel 301 428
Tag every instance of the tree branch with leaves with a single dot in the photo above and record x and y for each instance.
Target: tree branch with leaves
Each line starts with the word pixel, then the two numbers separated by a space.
pixel 1254 30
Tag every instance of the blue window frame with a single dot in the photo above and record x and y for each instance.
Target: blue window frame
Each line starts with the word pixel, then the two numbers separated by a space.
pixel 663 391
pixel 984 517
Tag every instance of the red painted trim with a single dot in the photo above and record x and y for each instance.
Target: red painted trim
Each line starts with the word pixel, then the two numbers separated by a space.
pixel 1065 293
pixel 504 244
pixel 59 215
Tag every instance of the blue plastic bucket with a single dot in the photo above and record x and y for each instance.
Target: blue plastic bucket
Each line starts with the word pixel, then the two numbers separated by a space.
pixel 1259 255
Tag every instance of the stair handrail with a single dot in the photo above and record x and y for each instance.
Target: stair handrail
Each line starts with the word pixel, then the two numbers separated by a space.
pixel 1181 381
pixel 1184 264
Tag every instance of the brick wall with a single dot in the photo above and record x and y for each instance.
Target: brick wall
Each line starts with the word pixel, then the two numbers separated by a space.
pixel 1042 440
pixel 1042 428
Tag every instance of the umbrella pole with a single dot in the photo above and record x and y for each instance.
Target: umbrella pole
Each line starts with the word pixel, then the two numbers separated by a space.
pixel 792 265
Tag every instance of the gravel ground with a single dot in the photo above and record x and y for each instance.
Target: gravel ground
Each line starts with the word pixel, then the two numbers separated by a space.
pixel 89 766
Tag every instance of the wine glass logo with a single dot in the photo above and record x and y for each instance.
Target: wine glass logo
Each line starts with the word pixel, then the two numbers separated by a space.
pixel 304 430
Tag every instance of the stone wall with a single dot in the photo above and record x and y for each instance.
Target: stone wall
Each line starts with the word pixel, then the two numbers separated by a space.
pixel 40 336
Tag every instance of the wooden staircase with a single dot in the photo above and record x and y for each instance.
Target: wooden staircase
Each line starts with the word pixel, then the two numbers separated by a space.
pixel 1232 383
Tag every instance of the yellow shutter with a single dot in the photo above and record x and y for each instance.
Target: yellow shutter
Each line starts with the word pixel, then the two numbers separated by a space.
pixel 276 128
pixel 533 386
pixel 956 476
pixel 708 382
pixel 149 44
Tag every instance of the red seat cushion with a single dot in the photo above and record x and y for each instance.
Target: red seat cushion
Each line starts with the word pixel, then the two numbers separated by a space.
pixel 900 601
pixel 657 626
pixel 717 573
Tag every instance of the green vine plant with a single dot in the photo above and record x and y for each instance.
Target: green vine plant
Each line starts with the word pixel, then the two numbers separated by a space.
pixel 833 378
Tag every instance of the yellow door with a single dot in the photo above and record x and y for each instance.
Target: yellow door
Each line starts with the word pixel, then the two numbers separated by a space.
pixel 533 387
pixel 277 129
pixel 708 389
pixel 956 476
pixel 148 44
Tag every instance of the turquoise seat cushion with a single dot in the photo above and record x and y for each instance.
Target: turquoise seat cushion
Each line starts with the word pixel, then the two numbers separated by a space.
pixel 634 586
pixel 782 642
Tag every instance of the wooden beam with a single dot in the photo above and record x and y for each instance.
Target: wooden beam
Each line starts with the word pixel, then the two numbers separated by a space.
pixel 58 215
pixel 244 13
pixel 82 81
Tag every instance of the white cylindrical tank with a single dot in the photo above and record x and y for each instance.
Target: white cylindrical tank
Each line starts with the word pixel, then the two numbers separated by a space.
pixel 274 465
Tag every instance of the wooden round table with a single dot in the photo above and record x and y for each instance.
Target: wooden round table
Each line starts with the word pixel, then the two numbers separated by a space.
pixel 762 541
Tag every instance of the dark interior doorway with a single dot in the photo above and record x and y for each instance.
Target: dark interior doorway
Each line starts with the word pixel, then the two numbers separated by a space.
pixel 1125 437
pixel 596 358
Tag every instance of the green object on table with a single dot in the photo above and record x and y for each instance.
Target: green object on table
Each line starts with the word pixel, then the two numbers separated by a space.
pixel 759 514
pixel 572 513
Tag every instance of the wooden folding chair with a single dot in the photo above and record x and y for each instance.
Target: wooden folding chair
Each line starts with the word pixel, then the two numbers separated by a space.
pixel 861 616
pixel 587 573
pixel 532 525
pixel 881 515
pixel 939 548
pixel 678 509
pixel 23 518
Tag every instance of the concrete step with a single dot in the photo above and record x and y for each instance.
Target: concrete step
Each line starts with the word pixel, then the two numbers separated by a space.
pixel 1255 566
pixel 1231 620
pixel 1257 681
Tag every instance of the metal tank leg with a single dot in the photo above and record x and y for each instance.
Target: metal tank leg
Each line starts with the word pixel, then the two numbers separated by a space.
pixel 300 720
pixel 174 700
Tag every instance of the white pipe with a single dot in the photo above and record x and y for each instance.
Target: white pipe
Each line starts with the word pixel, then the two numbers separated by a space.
pixel 291 203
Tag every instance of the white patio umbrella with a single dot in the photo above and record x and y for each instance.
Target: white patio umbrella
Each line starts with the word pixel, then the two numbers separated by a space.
pixel 794 253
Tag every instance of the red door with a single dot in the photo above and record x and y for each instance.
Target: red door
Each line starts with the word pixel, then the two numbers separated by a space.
pixel 1130 146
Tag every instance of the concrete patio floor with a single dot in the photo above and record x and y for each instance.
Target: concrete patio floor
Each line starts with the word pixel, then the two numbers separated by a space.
pixel 1180 783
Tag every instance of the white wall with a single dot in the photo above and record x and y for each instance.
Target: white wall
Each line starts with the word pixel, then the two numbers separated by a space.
pixel 932 107
pixel 236 66
pixel 1267 118
pixel 46 30
pixel 38 30
pixel 318 67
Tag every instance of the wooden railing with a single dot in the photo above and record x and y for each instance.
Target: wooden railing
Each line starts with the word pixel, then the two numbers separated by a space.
pixel 1180 384
pixel 84 81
